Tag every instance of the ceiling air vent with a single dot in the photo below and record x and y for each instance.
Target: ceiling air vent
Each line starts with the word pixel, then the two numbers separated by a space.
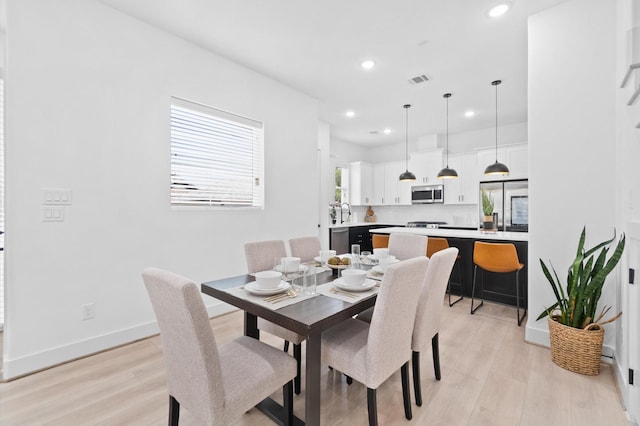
pixel 422 78
pixel 374 132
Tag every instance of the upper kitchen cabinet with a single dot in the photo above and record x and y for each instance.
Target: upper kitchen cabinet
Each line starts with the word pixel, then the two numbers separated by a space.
pixel 361 183
pixel 378 184
pixel 464 188
pixel 396 193
pixel 387 188
pixel 514 156
pixel 426 165
pixel 517 159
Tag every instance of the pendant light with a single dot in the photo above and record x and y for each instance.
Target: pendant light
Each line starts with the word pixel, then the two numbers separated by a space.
pixel 447 173
pixel 496 168
pixel 407 176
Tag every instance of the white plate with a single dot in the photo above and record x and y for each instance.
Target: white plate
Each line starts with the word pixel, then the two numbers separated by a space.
pixel 376 257
pixel 366 285
pixel 252 288
pixel 377 269
pixel 301 268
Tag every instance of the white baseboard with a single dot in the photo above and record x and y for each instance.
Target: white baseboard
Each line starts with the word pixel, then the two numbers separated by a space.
pixel 14 368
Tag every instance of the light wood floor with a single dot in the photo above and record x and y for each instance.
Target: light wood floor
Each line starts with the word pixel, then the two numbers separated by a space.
pixel 490 376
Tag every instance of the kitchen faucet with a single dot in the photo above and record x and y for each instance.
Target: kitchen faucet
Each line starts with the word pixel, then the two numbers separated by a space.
pixel 348 210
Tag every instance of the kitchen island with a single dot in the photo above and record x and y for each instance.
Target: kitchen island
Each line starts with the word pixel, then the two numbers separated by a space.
pixel 456 233
pixel 464 240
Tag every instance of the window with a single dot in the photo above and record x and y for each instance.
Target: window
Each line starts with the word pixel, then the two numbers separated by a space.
pixel 342 181
pixel 217 158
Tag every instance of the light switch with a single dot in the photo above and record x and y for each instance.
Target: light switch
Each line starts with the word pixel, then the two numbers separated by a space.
pixel 52 213
pixel 56 196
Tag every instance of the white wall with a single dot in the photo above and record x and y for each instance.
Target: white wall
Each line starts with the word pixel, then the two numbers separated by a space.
pixel 572 80
pixel 88 92
pixel 486 138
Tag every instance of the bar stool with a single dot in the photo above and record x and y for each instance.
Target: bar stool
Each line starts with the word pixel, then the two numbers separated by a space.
pixel 435 245
pixel 499 258
pixel 380 241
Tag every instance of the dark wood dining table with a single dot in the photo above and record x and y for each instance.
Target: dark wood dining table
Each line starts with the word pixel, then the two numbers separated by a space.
pixel 309 317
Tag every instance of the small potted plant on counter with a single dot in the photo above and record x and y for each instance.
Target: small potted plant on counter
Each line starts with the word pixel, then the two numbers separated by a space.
pixel 487 210
pixel 575 326
pixel 333 213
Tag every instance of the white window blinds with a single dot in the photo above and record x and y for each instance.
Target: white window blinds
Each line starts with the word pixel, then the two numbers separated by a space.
pixel 217 158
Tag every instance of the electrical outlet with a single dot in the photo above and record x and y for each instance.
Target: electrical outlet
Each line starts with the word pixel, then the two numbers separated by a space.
pixel 88 311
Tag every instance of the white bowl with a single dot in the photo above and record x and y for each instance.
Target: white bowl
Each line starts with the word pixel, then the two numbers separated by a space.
pixel 327 254
pixel 381 253
pixel 290 264
pixel 386 262
pixel 266 280
pixel 353 277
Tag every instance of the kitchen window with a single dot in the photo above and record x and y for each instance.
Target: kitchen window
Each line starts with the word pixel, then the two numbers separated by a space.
pixel 217 157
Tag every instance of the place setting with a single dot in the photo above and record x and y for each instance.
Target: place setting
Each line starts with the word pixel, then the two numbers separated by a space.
pixel 271 289
pixel 351 286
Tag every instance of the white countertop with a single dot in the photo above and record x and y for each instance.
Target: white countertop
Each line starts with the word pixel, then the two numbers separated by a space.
pixel 456 233
pixel 350 224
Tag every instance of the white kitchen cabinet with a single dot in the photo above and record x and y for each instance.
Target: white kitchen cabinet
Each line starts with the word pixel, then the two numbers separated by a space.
pixel 516 158
pixel 378 184
pixel 387 188
pixel 361 183
pixel 392 185
pixel 464 189
pixel 426 165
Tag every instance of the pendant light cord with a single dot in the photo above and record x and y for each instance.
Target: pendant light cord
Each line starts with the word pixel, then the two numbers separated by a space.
pixel 447 97
pixel 496 83
pixel 406 136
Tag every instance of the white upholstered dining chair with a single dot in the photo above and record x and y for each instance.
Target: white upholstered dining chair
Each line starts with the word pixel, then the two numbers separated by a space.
pixel 215 384
pixel 371 353
pixel 407 246
pixel 260 256
pixel 306 248
pixel 427 325
pixel 403 247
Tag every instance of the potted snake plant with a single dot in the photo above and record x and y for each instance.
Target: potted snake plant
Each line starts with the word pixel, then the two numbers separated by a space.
pixel 575 325
pixel 487 210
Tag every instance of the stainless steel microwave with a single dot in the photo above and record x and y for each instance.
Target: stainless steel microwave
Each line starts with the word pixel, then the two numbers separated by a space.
pixel 427 194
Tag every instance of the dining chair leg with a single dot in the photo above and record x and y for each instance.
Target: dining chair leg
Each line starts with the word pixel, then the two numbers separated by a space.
pixel 435 350
pixel 286 346
pixel 297 354
pixel 174 411
pixel 473 289
pixel 458 283
pixel 372 407
pixel 415 367
pixel 406 391
pixel 287 403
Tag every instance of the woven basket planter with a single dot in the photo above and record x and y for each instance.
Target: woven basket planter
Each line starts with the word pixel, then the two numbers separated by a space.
pixel 575 349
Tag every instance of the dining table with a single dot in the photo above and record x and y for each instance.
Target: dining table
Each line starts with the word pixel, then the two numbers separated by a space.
pixel 309 316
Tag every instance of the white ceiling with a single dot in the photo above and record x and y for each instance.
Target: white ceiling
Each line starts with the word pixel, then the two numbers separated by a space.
pixel 317 47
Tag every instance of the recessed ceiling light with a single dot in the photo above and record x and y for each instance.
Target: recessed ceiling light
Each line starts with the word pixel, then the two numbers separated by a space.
pixel 350 114
pixel 386 131
pixel 499 10
pixel 368 64
pixel 469 114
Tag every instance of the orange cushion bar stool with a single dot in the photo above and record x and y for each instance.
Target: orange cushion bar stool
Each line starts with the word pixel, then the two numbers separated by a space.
pixel 380 241
pixel 435 245
pixel 499 258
